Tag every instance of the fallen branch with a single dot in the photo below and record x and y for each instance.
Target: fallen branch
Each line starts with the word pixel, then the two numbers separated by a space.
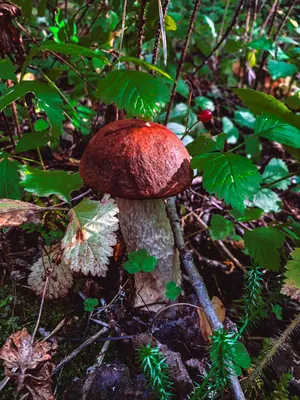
pixel 198 285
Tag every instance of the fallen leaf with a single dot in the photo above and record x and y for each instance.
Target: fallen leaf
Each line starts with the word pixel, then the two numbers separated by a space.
pixel 31 362
pixel 15 212
pixel 204 324
pixel 291 290
pixel 60 276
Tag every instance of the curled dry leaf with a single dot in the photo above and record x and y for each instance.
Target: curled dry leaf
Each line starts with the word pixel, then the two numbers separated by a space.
pixel 204 324
pixel 90 236
pixel 15 212
pixel 60 276
pixel 291 290
pixel 31 362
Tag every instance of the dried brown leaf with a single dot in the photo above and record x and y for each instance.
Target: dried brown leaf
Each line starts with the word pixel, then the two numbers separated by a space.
pixel 204 324
pixel 15 212
pixel 291 290
pixel 32 362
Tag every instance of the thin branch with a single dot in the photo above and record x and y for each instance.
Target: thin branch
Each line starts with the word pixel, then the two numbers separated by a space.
pixel 141 31
pixel 41 309
pixel 228 30
pixel 198 284
pixel 270 15
pixel 158 33
pixel 182 57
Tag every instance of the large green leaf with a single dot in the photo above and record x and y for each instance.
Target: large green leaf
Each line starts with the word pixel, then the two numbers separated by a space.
pixel 32 140
pixel 231 177
pixel 281 69
pixel 264 104
pixel 220 227
pixel 292 273
pixel 49 101
pixel 274 170
pixel 139 93
pixel 9 179
pixel 277 130
pixel 263 244
pixel 45 183
pixel 267 200
pixel 7 70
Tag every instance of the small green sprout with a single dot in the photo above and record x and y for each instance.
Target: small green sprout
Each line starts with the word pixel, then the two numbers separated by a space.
pixel 140 261
pixel 90 304
pixel 172 290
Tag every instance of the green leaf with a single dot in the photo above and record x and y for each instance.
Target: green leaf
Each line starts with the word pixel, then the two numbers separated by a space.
pixel 33 140
pixel 7 70
pixel 139 93
pixel 220 227
pixel 41 125
pixel 204 103
pixel 277 130
pixel 90 304
pixel 249 214
pixel 294 101
pixel 281 69
pixel 150 67
pixel 276 169
pixel 244 118
pixel 9 179
pixel 240 355
pixel 202 145
pixel 46 183
pixel 292 273
pixel 260 103
pixel 277 310
pixel 231 130
pixel 262 43
pixel 267 200
pixel 140 261
pixel 172 290
pixel 263 244
pixel 231 177
pixel 49 101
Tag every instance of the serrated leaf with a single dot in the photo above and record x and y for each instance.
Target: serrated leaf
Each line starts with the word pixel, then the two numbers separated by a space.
pixel 32 140
pixel 46 183
pixel 7 70
pixel 281 69
pixel 15 212
pixel 231 177
pixel 276 169
pixel 267 200
pixel 277 130
pixel 292 273
pixel 140 260
pixel 49 101
pixel 220 227
pixel 90 236
pixel 240 355
pixel 263 244
pixel 264 104
pixel 9 179
pixel 139 93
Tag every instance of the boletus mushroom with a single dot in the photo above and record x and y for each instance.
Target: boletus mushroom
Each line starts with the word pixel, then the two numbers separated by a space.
pixel 141 163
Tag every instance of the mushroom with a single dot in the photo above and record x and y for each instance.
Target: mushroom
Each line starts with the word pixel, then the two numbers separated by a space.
pixel 141 163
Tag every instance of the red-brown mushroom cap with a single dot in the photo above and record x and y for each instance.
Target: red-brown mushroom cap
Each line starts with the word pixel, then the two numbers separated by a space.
pixel 136 159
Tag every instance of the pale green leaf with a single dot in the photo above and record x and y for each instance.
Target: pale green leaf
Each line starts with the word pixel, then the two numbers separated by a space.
pixel 46 183
pixel 277 130
pixel 281 69
pixel 139 93
pixel 244 118
pixel 204 103
pixel 229 176
pixel 231 130
pixel 267 200
pixel 90 236
pixel 220 227
pixel 263 244
pixel 276 169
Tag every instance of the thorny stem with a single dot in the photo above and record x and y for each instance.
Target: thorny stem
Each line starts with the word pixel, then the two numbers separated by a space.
pixel 228 30
pixel 198 285
pixel 158 33
pixel 141 31
pixel 182 57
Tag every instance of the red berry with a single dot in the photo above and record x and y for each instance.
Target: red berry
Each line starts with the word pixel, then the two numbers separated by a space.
pixel 205 116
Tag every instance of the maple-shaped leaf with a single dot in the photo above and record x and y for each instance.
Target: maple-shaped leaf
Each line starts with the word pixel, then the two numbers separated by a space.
pixel 16 212
pixel 50 265
pixel 31 362
pixel 90 236
pixel 263 244
pixel 292 273
pixel 45 183
pixel 229 176
pixel 140 94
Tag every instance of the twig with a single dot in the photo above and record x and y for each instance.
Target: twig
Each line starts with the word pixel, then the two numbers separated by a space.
pixel 228 30
pixel 75 353
pixel 182 57
pixel 41 308
pixel 158 33
pixel 270 15
pixel 141 31
pixel 198 284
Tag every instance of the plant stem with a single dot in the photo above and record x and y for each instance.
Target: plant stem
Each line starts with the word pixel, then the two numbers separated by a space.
pixel 141 31
pixel 267 185
pixel 158 33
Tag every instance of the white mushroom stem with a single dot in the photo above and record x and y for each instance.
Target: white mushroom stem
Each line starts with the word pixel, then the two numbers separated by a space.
pixel 145 225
